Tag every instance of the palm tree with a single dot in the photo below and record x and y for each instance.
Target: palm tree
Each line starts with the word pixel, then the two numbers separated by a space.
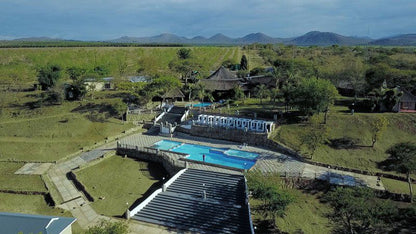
pixel 274 94
pixel 262 92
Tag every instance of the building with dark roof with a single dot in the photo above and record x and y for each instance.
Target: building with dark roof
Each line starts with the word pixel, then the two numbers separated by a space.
pixel 27 223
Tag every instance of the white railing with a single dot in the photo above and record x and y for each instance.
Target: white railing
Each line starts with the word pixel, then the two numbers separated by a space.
pixel 144 203
pixel 155 193
pixel 160 116
pixel 184 116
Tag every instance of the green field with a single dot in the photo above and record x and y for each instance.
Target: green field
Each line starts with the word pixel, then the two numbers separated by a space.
pixel 396 186
pixel 50 133
pixel 10 181
pixel 120 181
pixel 20 64
pixel 306 215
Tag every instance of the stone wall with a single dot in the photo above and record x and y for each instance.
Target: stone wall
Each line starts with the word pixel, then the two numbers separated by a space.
pixel 170 161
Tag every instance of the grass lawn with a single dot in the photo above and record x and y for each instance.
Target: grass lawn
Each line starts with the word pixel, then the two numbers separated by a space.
pixel 50 132
pixel 10 181
pixel 307 214
pixel 304 214
pixel 120 181
pixel 397 186
pixel 29 204
pixel 401 128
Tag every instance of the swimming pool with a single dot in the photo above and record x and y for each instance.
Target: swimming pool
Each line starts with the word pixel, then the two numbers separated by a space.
pixel 201 104
pixel 221 156
pixel 165 144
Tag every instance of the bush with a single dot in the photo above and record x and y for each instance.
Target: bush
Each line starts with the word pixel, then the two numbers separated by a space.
pixel 108 227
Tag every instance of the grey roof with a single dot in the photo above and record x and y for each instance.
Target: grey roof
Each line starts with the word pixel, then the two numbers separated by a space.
pixel 182 207
pixel 135 79
pixel 27 223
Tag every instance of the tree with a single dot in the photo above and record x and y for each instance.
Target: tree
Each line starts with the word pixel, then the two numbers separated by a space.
pixel 274 200
pixel 48 76
pixel 377 128
pixel 314 96
pixel 200 92
pixel 238 93
pixel 274 95
pixel 244 63
pixel 75 72
pixel 353 72
pixel 78 88
pixel 356 210
pixel 187 69
pixel 403 159
pixel 184 53
pixel 314 135
pixel 262 92
pixel 274 204
pixel 108 227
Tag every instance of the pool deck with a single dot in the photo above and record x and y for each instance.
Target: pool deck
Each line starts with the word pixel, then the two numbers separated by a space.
pixel 268 161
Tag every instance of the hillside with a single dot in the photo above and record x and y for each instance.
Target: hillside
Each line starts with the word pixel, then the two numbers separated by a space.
pixel 400 40
pixel 311 38
pixel 326 38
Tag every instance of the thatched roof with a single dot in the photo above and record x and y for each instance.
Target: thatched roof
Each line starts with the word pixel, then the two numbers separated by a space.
pixel 221 80
pixel 173 93
pixel 253 81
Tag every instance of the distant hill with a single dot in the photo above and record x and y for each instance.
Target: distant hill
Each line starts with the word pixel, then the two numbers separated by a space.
pixel 400 40
pixel 311 38
pixel 327 38
pixel 38 39
pixel 259 38
pixel 162 38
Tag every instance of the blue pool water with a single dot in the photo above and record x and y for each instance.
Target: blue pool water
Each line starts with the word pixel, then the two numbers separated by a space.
pixel 201 104
pixel 165 144
pixel 225 157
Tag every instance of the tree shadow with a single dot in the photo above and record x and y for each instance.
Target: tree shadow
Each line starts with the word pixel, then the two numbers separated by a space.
pixel 158 172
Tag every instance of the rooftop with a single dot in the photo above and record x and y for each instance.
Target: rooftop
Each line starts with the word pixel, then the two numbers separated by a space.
pixel 28 223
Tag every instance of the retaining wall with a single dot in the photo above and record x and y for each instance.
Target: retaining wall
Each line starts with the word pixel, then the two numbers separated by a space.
pixel 169 160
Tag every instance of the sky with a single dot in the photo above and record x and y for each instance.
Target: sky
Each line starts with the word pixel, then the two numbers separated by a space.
pixel 111 19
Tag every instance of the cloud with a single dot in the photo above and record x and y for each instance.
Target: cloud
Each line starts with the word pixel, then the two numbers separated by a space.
pixel 107 19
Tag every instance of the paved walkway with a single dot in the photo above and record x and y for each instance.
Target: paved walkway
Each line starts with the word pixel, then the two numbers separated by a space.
pixel 73 200
pixel 33 169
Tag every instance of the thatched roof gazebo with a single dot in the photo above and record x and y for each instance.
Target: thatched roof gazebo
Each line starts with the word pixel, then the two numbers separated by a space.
pixel 173 94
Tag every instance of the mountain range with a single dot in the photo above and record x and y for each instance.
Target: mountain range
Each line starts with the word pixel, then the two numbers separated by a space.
pixel 311 38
